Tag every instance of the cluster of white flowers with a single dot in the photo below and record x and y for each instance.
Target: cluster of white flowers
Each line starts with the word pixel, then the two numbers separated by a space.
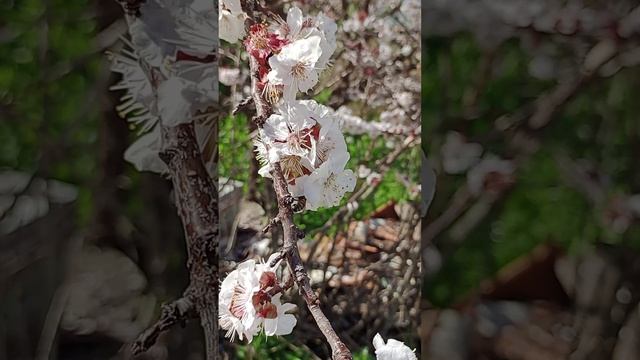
pixel 302 136
pixel 168 75
pixel 306 140
pixel 246 306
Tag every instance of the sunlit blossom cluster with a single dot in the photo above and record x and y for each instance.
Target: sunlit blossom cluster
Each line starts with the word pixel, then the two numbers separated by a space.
pixel 305 138
pixel 247 305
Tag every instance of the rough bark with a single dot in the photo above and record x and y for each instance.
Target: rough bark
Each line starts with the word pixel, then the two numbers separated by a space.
pixel 196 198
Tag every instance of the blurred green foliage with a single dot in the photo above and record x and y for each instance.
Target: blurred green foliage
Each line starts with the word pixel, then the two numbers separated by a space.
pixel 47 99
pixel 600 124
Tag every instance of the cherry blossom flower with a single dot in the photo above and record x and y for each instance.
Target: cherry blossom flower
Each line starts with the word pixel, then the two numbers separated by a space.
pixel 296 66
pixel 261 43
pixel 458 155
pixel 392 350
pixel 326 186
pixel 230 20
pixel 246 307
pixel 299 26
pixel 237 313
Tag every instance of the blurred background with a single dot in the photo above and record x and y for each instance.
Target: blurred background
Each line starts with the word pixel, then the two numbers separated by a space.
pixel 90 248
pixel 530 125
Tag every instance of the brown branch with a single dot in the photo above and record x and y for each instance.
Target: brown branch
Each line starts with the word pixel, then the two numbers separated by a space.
pixel 292 233
pixel 176 312
pixel 196 198
pixel 197 202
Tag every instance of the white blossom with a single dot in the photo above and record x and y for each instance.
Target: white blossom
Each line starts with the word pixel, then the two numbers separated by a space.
pixel 231 20
pixel 326 186
pixel 295 66
pixel 245 306
pixel 458 155
pixel 235 305
pixel 392 350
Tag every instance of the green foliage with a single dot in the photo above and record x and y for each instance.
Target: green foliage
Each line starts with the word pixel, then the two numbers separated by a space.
pixel 598 125
pixel 263 347
pixel 48 104
pixel 363 355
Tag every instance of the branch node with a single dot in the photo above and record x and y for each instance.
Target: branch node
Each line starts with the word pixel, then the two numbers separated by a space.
pixel 176 312
pixel 259 120
pixel 243 105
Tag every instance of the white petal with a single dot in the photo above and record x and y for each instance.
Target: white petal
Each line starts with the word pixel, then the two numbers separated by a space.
pixel 286 323
pixel 311 79
pixel 173 107
pixel 378 342
pixel 294 21
pixel 143 153
pixel 230 26
pixel 270 326
pixel 392 350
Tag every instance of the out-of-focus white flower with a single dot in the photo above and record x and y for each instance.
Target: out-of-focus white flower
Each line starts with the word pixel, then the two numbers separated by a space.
pixel 296 66
pixel 392 350
pixel 230 20
pixel 491 174
pixel 633 202
pixel 229 76
pixel 405 99
pixel 458 155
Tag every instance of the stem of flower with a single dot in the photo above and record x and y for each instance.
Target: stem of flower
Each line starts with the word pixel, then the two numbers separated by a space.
pixel 291 232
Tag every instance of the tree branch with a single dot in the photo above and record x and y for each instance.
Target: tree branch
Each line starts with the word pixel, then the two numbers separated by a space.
pixel 197 202
pixel 291 232
pixel 176 312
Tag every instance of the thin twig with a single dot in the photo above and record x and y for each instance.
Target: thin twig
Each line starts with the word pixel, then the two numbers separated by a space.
pixel 176 312
pixel 291 232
